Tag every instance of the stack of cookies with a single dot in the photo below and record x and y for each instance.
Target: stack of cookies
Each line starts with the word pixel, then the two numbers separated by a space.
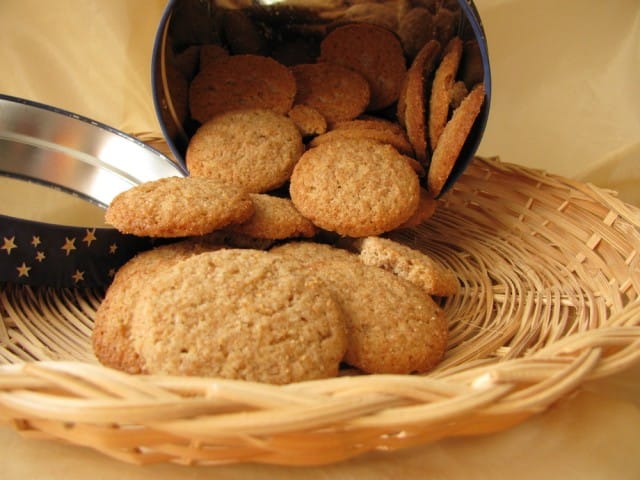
pixel 278 270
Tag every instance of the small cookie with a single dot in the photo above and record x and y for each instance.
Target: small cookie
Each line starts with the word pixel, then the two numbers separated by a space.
pixel 110 338
pixel 211 52
pixel 411 104
pixel 274 218
pixel 238 82
pixel 307 251
pixel 239 314
pixel 308 120
pixel 453 138
pixel 426 208
pixel 255 149
pixel 408 263
pixel 178 207
pixel 392 326
pixel 337 92
pixel 372 51
pixel 415 29
pixel 443 81
pixel 355 187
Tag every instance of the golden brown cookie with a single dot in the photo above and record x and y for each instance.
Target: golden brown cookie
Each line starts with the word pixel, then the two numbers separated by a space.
pixel 309 251
pixel 453 138
pixel 372 51
pixel 240 314
pixel 355 187
pixel 408 263
pixel 426 208
pixel 337 92
pixel 240 82
pixel 392 325
pixel 412 111
pixel 443 81
pixel 178 207
pixel 111 339
pixel 308 120
pixel 255 149
pixel 274 218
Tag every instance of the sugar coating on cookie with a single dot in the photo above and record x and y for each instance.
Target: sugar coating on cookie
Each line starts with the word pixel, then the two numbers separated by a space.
pixel 178 207
pixel 337 92
pixel 355 187
pixel 111 334
pixel 241 81
pixel 372 51
pixel 453 139
pixel 240 314
pixel 255 149
pixel 408 263
pixel 274 218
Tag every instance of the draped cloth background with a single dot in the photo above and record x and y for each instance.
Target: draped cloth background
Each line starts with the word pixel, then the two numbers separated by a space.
pixel 566 99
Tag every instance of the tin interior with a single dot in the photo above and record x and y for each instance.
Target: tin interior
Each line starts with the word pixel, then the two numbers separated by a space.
pixel 289 31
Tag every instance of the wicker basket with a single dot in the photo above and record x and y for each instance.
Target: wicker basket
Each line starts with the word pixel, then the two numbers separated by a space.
pixel 550 280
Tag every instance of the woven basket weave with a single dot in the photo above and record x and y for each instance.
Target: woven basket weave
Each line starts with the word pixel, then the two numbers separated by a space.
pixel 549 299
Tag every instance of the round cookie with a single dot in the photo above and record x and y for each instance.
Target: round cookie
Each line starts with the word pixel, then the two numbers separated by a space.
pixel 313 251
pixel 372 51
pixel 255 149
pixel 240 314
pixel 178 207
pixel 274 218
pixel 453 138
pixel 241 81
pixel 389 136
pixel 408 263
pixel 355 187
pixel 337 92
pixel 110 338
pixel 426 208
pixel 411 104
pixel 392 326
pixel 308 120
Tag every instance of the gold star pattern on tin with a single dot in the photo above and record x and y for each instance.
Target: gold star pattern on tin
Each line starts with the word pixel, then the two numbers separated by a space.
pixel 78 276
pixel 23 270
pixel 112 248
pixel 9 244
pixel 69 245
pixel 35 241
pixel 90 237
pixel 40 256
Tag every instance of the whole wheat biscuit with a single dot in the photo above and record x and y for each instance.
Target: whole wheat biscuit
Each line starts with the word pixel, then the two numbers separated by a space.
pixel 412 111
pixel 337 92
pixel 355 187
pixel 453 138
pixel 111 334
pixel 255 149
pixel 178 207
pixel 308 120
pixel 274 218
pixel 239 82
pixel 443 81
pixel 240 314
pixel 372 51
pixel 392 326
pixel 408 263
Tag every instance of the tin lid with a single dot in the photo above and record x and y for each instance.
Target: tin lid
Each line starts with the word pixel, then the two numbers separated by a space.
pixel 84 159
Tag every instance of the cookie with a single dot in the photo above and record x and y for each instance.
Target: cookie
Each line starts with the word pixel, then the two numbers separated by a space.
pixel 443 81
pixel 178 207
pixel 274 218
pixel 337 92
pixel 372 51
pixel 453 138
pixel 392 326
pixel 111 335
pixel 238 82
pixel 408 263
pixel 255 149
pixel 426 208
pixel 211 52
pixel 239 314
pixel 309 251
pixel 309 121
pixel 355 187
pixel 415 29
pixel 412 111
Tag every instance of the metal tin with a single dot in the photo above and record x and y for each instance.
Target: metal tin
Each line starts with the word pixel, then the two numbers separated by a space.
pixel 188 23
pixel 81 157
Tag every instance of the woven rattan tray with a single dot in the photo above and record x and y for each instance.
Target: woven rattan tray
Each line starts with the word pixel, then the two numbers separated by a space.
pixel 549 299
